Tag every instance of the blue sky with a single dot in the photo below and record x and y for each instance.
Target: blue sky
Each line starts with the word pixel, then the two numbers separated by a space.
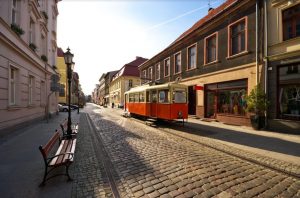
pixel 105 35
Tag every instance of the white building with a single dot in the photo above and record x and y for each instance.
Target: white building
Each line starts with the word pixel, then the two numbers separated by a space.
pixel 27 60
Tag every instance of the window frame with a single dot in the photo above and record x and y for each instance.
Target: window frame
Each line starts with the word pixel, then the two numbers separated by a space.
pixel 216 35
pixel 187 54
pixel 293 23
pixel 180 66
pixel 144 75
pixel 169 69
pixel 13 81
pixel 156 66
pixel 229 36
pixel 150 73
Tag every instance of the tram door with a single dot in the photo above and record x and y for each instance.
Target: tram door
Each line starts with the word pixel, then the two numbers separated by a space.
pixel 153 103
pixel 192 101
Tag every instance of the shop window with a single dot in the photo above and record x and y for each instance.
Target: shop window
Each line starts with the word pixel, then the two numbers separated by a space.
pixel 237 37
pixel 167 67
pixel 289 92
pixel 226 98
pixel 291 22
pixel 163 96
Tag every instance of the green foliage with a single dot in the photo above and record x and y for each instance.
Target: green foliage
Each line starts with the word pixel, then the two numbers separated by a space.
pixel 44 58
pixel 257 101
pixel 17 29
pixel 32 46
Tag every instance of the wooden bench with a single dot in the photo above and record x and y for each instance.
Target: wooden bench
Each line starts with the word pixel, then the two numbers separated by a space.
pixel 64 155
pixel 64 127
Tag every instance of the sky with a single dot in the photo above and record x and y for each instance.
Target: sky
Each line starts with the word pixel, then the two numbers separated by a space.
pixel 104 35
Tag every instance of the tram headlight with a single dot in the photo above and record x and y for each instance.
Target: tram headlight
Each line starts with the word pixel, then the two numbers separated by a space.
pixel 179 114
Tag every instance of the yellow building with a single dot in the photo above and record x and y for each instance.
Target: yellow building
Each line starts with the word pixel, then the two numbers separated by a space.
pixel 126 78
pixel 62 70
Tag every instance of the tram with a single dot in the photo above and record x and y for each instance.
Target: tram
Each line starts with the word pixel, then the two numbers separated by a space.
pixel 166 101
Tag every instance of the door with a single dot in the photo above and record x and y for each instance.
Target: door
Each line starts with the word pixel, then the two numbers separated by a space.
pixel 153 103
pixel 192 101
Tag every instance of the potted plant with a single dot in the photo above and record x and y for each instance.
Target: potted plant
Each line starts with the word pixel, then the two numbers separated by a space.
pixel 44 58
pixel 17 29
pixel 32 46
pixel 257 104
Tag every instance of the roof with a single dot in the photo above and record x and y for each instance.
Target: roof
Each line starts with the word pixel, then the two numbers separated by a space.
pixel 60 52
pixel 211 14
pixel 131 68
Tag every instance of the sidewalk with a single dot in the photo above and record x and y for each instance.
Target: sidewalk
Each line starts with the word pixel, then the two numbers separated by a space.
pixel 22 165
pixel 276 145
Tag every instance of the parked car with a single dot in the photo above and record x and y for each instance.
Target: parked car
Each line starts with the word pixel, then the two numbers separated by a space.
pixel 64 108
pixel 74 106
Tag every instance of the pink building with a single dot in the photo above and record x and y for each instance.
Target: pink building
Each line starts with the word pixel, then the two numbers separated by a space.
pixel 27 59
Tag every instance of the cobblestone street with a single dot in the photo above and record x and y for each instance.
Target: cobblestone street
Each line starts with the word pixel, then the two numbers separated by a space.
pixel 146 162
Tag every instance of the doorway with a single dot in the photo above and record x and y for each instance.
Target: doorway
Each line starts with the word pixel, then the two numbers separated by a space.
pixel 192 101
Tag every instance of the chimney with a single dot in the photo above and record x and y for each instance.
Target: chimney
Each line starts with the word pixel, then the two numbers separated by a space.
pixel 210 9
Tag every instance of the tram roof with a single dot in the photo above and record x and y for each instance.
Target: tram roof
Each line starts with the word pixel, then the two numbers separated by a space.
pixel 148 87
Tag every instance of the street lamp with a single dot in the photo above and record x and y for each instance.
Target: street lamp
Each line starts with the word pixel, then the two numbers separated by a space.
pixel 69 62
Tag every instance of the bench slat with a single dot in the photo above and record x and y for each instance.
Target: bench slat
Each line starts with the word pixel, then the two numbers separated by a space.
pixel 65 147
pixel 47 148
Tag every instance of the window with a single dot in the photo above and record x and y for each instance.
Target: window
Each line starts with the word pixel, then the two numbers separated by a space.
pixel 14 12
pixel 130 83
pixel 144 76
pixel 12 85
pixel 179 96
pixel 291 22
pixel 191 57
pixel 289 92
pixel 131 97
pixel 43 93
pixel 31 31
pixel 167 67
pixel 157 71
pixel 210 48
pixel 237 37
pixel 142 97
pixel 177 63
pixel 163 96
pixel 30 89
pixel 150 74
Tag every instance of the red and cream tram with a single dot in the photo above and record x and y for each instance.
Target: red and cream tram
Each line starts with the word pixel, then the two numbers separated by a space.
pixel 166 101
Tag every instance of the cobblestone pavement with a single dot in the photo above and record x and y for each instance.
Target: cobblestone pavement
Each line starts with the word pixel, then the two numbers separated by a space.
pixel 151 163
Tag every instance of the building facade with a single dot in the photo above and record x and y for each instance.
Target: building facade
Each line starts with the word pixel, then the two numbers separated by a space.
pixel 218 59
pixel 63 81
pixel 127 77
pixel 283 64
pixel 107 79
pixel 102 89
pixel 27 56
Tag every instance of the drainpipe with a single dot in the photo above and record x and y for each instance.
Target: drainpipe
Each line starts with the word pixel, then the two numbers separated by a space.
pixel 266 54
pixel 256 43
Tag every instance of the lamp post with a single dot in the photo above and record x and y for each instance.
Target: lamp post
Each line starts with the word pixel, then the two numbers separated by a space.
pixel 69 62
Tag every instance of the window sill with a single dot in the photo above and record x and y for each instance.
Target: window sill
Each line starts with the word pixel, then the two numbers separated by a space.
pixel 238 55
pixel 177 73
pixel 191 69
pixel 30 106
pixel 211 63
pixel 13 107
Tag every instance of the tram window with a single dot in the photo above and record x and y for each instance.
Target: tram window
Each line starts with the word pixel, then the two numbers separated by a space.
pixel 136 97
pixel 179 96
pixel 131 98
pixel 142 98
pixel 163 96
pixel 153 97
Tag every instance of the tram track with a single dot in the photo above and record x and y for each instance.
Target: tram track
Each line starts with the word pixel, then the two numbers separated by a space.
pixel 173 131
pixel 102 156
